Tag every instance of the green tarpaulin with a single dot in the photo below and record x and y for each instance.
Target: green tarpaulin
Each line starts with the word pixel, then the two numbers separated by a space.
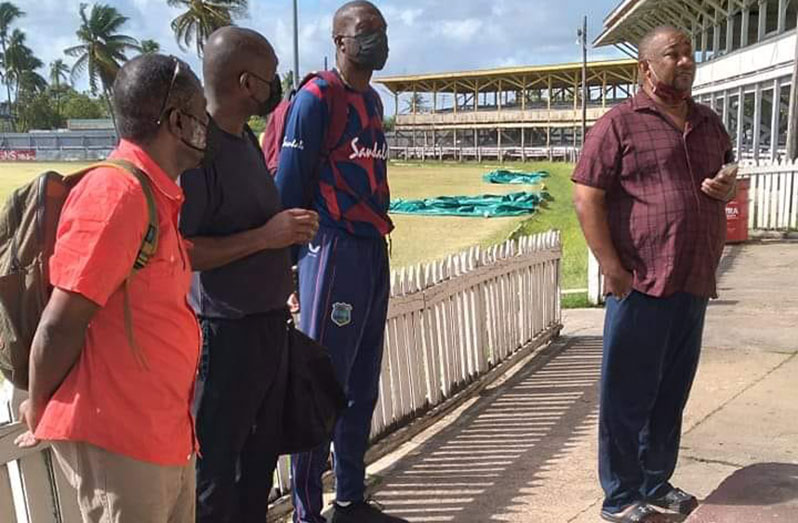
pixel 512 177
pixel 486 205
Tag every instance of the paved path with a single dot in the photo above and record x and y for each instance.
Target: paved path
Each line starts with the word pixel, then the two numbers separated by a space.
pixel 525 451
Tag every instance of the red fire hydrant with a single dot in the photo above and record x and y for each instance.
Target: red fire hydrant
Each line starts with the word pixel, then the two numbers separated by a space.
pixel 737 214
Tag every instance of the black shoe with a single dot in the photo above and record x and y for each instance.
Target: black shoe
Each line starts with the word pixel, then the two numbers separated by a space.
pixel 676 500
pixel 363 512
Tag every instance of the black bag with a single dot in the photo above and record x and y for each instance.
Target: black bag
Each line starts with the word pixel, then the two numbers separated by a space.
pixel 313 399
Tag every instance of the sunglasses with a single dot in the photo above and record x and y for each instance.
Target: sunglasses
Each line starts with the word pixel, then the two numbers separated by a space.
pixel 175 74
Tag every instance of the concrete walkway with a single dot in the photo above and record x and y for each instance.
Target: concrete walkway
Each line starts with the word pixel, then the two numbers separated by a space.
pixel 525 451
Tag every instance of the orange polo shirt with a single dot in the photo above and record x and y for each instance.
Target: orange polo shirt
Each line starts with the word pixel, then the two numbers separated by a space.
pixel 109 399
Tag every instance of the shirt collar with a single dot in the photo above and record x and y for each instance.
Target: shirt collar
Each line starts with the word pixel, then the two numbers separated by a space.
pixel 642 102
pixel 127 150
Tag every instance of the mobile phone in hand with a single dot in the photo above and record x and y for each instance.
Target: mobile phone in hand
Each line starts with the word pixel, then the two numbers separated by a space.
pixel 728 171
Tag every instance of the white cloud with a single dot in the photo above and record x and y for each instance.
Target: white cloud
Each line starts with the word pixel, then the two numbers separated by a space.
pixel 407 16
pixel 460 30
pixel 425 35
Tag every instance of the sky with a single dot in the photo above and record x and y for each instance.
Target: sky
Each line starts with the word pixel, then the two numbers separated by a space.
pixel 424 35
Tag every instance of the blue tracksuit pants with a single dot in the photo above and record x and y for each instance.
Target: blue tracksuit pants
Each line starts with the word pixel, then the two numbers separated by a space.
pixel 343 291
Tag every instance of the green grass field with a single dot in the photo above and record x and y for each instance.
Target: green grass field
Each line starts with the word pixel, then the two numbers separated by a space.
pixel 424 238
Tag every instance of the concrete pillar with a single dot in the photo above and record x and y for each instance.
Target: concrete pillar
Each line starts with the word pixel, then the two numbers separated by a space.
pixel 774 120
pixel 523 144
pixel 499 144
pixel 746 23
pixel 757 120
pixel 763 15
pixel 740 113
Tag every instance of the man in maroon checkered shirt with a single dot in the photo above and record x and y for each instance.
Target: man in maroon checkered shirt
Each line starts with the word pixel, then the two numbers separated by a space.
pixel 650 192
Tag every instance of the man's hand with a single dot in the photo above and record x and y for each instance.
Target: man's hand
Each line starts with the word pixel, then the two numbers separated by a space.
pixel 618 282
pixel 290 227
pixel 722 186
pixel 28 415
pixel 293 303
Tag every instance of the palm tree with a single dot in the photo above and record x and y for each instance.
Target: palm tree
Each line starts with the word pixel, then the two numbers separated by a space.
pixel 416 103
pixel 203 17
pixel 58 74
pixel 21 66
pixel 150 47
pixel 31 82
pixel 101 51
pixel 8 14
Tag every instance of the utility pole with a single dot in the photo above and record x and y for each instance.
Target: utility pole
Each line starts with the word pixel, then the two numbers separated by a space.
pixel 296 46
pixel 792 124
pixel 582 34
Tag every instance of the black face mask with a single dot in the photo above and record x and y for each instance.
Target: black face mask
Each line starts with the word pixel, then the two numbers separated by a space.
pixel 372 50
pixel 266 107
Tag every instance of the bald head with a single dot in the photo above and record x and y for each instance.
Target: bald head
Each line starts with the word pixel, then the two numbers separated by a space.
pixel 353 17
pixel 653 40
pixel 231 51
pixel 666 64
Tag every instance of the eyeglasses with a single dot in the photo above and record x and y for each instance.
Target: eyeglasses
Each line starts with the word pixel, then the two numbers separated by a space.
pixel 168 91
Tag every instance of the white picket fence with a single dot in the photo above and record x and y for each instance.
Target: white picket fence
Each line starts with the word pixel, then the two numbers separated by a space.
pixel 32 489
pixel 773 194
pixel 449 323
pixel 452 321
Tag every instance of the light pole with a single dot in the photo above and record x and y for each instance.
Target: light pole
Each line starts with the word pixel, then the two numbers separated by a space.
pixel 296 46
pixel 582 35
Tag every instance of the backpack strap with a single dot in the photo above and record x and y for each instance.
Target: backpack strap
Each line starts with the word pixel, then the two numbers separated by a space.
pixel 335 98
pixel 149 244
pixel 339 111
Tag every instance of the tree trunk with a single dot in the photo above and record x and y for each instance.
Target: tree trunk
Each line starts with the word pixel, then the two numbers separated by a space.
pixel 107 96
pixel 7 81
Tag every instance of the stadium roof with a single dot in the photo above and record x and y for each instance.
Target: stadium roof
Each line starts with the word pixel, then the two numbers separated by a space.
pixel 631 19
pixel 485 80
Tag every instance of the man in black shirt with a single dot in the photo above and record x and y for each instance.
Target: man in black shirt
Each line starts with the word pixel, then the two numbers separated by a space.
pixel 240 238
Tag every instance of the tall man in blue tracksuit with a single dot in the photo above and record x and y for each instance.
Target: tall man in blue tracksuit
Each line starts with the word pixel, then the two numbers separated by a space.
pixel 343 272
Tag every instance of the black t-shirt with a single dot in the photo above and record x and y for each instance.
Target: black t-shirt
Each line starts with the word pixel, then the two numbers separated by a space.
pixel 232 194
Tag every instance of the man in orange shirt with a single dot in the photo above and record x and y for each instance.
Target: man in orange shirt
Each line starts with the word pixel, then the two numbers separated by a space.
pixel 120 420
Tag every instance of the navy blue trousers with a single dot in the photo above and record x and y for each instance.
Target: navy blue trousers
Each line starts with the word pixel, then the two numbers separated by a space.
pixel 240 394
pixel 343 291
pixel 651 351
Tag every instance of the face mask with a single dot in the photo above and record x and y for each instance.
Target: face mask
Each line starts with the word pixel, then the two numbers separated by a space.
pixel 667 93
pixel 372 50
pixel 200 139
pixel 266 107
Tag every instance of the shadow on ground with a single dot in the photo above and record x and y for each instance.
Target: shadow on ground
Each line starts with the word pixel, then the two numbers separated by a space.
pixel 760 493
pixel 501 447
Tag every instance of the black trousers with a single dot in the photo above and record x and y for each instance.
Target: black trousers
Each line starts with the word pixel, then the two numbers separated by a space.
pixel 239 405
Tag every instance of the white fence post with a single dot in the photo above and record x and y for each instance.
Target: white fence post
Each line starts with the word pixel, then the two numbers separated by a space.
pixel 595 280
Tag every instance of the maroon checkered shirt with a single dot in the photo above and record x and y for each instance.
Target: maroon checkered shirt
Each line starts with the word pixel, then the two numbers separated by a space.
pixel 667 232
